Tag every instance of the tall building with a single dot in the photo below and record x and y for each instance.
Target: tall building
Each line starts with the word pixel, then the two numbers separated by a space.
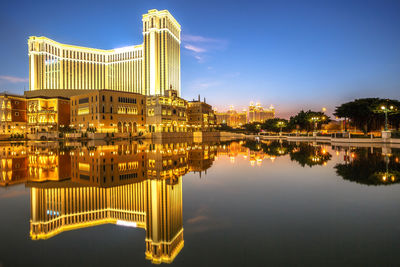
pixel 149 68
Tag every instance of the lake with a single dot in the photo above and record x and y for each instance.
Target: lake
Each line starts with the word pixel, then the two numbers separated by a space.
pixel 232 203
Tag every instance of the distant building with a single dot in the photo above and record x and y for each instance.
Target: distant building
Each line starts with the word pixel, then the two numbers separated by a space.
pixel 231 117
pixel 257 113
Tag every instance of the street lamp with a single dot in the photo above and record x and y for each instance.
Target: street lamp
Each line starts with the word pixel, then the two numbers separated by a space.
pixel 314 120
pixel 385 109
pixel 280 124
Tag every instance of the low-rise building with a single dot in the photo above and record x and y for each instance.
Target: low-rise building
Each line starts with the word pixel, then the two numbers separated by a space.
pixel 200 116
pixel 12 114
pixel 47 114
pixel 166 113
pixel 107 111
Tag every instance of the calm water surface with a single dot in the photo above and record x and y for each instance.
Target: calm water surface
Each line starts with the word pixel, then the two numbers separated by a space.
pixel 236 203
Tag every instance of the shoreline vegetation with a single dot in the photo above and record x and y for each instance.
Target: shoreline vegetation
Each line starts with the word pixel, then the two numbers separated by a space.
pixel 365 118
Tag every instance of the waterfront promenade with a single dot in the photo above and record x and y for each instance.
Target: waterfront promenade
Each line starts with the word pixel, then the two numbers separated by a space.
pixel 360 142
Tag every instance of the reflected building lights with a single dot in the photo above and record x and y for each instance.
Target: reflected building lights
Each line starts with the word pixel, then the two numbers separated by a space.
pixel 138 184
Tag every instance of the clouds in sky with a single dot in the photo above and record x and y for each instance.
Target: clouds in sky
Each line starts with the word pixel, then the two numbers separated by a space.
pixel 12 79
pixel 201 46
pixel 203 84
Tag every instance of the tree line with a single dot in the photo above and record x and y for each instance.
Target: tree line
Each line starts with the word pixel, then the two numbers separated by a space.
pixel 365 114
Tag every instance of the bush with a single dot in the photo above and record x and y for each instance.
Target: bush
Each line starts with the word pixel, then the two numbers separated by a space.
pixel 360 136
pixel 396 134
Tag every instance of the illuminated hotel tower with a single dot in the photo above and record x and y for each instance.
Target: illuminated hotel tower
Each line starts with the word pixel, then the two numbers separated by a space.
pixel 149 68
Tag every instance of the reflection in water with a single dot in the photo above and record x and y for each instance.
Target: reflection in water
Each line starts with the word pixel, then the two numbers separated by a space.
pixel 370 167
pixel 303 153
pixel 136 184
pixel 310 155
pixel 128 184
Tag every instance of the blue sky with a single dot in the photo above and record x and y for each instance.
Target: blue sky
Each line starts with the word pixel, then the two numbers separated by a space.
pixel 293 54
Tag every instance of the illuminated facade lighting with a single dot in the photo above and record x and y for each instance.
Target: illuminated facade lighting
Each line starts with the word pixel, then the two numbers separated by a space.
pixel 149 68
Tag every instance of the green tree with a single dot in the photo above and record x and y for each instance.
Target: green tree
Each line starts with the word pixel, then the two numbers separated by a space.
pixel 274 125
pixel 306 120
pixel 253 127
pixel 366 114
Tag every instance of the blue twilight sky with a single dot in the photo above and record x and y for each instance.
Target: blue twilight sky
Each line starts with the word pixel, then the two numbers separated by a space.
pixel 293 54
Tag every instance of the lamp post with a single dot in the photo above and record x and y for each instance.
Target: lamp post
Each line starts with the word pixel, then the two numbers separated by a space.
pixel 314 120
pixel 385 110
pixel 280 124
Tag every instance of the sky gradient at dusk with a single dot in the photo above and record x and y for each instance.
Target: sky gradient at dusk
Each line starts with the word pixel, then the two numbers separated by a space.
pixel 293 54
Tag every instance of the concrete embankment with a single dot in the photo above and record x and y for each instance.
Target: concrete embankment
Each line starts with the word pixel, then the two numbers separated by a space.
pixel 393 142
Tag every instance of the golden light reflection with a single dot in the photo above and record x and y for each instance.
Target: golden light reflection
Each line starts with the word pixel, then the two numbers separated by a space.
pixel 126 184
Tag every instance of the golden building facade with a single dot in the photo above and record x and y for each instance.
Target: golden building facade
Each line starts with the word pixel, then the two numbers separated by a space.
pixel 12 114
pixel 148 68
pixel 257 113
pixel 200 116
pixel 108 111
pixel 231 118
pixel 166 113
pixel 47 115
